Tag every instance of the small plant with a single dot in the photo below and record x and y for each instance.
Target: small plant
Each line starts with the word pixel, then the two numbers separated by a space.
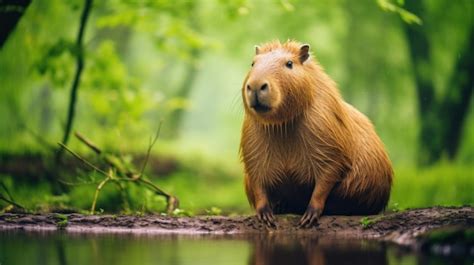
pixel 395 207
pixel 61 221
pixel 367 222
pixel 180 213
pixel 214 211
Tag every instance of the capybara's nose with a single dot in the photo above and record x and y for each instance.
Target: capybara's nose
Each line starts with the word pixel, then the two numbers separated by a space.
pixel 258 88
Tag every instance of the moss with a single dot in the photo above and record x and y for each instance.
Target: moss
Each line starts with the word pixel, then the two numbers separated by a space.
pixel 367 222
pixel 61 221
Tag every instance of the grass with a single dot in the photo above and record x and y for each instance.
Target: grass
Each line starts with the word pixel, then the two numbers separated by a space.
pixel 445 184
pixel 205 187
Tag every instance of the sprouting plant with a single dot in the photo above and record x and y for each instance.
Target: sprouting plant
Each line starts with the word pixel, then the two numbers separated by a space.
pixel 367 222
pixel 61 221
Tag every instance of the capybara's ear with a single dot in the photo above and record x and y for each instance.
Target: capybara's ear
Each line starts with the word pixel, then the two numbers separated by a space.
pixel 257 49
pixel 304 52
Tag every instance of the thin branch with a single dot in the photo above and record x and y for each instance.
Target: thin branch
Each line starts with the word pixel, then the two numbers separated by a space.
pixel 150 146
pixel 4 187
pixel 152 185
pixel 83 160
pixel 11 202
pixel 88 142
pixel 78 183
pixel 98 189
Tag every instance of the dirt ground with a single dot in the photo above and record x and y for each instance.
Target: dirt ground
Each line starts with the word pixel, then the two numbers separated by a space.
pixel 403 228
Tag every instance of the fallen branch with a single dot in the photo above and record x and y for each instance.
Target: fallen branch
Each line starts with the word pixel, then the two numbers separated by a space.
pixel 120 172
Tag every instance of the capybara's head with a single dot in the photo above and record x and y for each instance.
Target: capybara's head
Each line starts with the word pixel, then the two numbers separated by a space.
pixel 280 85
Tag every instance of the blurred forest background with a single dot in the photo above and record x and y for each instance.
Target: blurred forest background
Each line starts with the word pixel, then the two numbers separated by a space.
pixel 129 64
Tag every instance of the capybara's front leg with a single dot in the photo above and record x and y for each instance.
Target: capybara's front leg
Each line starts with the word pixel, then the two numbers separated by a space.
pixel 263 208
pixel 316 204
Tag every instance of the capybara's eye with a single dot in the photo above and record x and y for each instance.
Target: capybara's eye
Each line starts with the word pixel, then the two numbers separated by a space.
pixel 289 64
pixel 253 63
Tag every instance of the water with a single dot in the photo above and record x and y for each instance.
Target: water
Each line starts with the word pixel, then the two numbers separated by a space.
pixel 64 249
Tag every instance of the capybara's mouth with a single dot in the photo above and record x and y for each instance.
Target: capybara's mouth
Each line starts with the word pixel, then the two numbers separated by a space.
pixel 260 108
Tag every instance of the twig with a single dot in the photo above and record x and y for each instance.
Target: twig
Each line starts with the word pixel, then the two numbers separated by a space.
pixel 153 186
pixel 11 202
pixel 88 142
pixel 78 183
pixel 150 146
pixel 97 190
pixel 113 161
pixel 4 187
pixel 83 160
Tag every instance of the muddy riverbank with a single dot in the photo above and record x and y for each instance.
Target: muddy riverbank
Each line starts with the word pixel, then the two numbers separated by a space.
pixel 405 228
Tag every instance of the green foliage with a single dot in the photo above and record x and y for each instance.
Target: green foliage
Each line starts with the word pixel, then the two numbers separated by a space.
pixel 105 62
pixel 407 16
pixel 366 222
pixel 61 220
pixel 444 184
pixel 214 211
pixel 56 61
pixel 138 55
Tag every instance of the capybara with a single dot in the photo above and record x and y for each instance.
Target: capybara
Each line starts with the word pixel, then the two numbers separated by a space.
pixel 304 149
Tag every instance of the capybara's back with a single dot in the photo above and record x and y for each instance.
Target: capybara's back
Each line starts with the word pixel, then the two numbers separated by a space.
pixel 304 149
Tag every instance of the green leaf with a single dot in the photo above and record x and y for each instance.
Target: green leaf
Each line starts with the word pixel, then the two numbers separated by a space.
pixel 404 14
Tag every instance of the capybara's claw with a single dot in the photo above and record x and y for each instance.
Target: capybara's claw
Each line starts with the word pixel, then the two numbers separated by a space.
pixel 265 215
pixel 310 217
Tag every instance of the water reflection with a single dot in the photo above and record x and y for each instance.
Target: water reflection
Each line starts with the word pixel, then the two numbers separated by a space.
pixel 286 249
pixel 66 249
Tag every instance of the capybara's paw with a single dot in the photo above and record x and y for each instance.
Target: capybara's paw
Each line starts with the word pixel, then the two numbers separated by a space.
pixel 265 215
pixel 310 217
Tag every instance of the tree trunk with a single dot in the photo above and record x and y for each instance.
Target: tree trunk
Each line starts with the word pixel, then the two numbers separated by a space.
pixel 10 13
pixel 77 76
pixel 456 105
pixel 441 119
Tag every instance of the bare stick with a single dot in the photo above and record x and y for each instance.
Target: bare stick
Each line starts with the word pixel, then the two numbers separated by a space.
pixel 78 183
pixel 84 160
pixel 150 146
pixel 6 190
pixel 97 190
pixel 11 202
pixel 88 142
pixel 154 187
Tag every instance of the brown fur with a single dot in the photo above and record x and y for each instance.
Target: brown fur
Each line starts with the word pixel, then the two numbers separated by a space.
pixel 312 149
